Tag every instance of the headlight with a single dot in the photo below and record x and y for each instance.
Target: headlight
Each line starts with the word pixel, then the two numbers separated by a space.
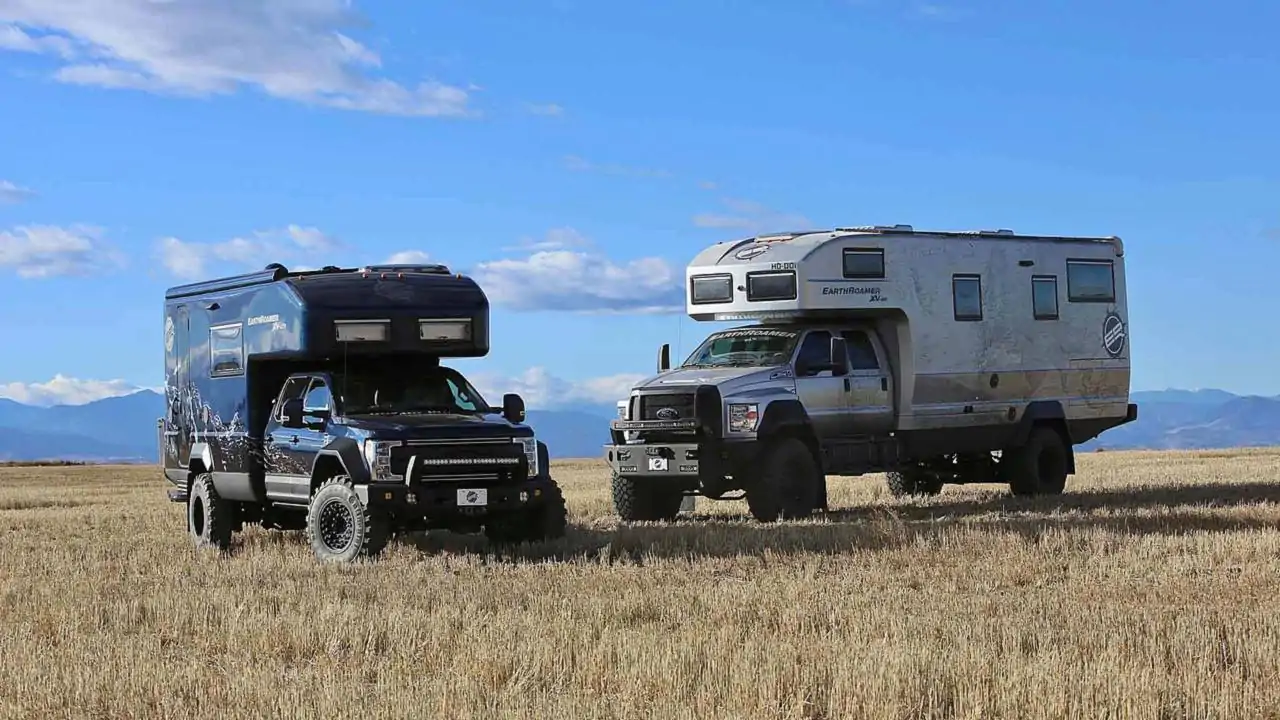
pixel 743 418
pixel 378 456
pixel 530 453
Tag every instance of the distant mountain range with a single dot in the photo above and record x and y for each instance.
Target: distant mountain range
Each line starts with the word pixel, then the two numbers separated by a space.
pixel 123 429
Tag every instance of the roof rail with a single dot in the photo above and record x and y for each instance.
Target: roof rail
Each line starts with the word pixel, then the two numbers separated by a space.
pixel 427 268
pixel 272 273
pixel 899 228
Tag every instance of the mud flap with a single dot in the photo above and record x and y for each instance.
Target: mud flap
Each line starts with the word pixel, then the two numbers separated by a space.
pixel 688 504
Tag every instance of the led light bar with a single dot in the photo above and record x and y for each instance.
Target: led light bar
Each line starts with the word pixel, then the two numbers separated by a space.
pixel 444 329
pixel 362 330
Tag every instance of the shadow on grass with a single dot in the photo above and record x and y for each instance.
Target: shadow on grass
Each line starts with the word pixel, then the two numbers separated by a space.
pixel 1171 511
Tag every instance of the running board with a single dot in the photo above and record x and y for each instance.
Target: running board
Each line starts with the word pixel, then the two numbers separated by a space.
pixel 178 495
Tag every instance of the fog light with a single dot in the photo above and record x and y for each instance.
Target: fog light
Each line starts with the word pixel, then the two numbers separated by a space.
pixel 524 496
pixel 411 498
pixel 386 496
pixel 537 492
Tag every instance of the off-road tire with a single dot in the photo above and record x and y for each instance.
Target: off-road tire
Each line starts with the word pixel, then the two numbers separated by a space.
pixel 645 501
pixel 547 520
pixel 210 519
pixel 912 482
pixel 787 485
pixel 1039 467
pixel 340 528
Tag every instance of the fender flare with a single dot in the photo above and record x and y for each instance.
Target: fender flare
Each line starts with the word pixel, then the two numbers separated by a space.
pixel 1051 413
pixel 785 416
pixel 347 454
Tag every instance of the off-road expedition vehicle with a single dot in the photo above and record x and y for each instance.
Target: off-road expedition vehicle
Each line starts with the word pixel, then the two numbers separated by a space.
pixel 934 357
pixel 317 400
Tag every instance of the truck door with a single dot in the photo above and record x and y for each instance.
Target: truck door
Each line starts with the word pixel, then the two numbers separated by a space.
pixel 821 393
pixel 870 396
pixel 180 424
pixel 285 464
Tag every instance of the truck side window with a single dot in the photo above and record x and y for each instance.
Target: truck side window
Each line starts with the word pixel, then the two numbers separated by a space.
pixel 293 388
pixel 317 396
pixel 815 351
pixel 862 354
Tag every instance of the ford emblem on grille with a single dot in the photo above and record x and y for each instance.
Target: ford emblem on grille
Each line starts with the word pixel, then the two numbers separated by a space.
pixel 668 414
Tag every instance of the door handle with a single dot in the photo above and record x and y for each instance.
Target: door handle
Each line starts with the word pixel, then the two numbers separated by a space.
pixel 884 383
pixel 846 384
pixel 293 440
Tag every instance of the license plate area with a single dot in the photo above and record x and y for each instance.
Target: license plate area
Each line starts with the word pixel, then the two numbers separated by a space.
pixel 658 464
pixel 473 497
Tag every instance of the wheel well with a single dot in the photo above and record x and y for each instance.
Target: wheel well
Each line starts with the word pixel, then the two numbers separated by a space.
pixel 194 468
pixel 326 466
pixel 1059 426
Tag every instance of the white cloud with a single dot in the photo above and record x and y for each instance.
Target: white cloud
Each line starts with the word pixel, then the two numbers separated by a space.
pixel 751 217
pixel 408 257
pixel 556 239
pixel 580 281
pixel 11 194
pixel 43 251
pixel 289 49
pixel 542 390
pixel 63 390
pixel 291 244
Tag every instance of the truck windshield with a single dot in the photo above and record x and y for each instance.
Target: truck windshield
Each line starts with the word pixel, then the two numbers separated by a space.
pixel 751 347
pixel 383 390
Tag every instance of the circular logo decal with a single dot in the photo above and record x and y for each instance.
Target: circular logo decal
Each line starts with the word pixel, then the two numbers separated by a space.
pixel 751 252
pixel 1113 334
pixel 668 414
pixel 168 334
pixel 472 496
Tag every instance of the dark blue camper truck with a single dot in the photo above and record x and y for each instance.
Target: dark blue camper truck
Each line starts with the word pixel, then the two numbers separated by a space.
pixel 317 400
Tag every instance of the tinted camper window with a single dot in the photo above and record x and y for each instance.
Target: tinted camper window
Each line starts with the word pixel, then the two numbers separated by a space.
pixel 864 264
pixel 966 296
pixel 226 350
pixel 1044 297
pixel 1090 281
pixel 771 286
pixel 711 289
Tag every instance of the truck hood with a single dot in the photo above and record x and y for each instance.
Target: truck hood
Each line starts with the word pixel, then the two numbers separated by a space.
pixel 730 380
pixel 441 426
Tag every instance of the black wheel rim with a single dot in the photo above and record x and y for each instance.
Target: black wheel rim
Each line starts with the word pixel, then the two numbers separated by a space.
pixel 337 525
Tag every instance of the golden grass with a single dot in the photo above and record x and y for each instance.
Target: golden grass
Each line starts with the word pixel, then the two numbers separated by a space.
pixel 1151 590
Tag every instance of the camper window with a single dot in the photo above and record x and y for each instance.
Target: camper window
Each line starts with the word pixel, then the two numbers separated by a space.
pixel 711 289
pixel 966 296
pixel 1090 281
pixel 226 350
pixel 1044 297
pixel 864 263
pixel 771 286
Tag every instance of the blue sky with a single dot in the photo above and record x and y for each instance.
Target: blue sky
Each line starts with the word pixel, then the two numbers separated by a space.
pixel 575 155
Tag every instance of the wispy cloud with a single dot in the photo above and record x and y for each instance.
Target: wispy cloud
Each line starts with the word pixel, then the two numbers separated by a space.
pixel 544 109
pixel 751 217
pixel 294 50
pixel 580 164
pixel 12 194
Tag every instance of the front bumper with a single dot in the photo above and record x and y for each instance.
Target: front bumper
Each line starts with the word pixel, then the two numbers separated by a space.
pixel 657 460
pixel 448 499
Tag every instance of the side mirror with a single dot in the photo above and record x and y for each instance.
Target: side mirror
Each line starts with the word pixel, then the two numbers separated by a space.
pixel 292 413
pixel 664 357
pixel 839 356
pixel 513 408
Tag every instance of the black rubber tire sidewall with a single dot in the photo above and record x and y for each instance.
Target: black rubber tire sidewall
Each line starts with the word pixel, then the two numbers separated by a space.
pixel 369 533
pixel 215 515
pixel 786 487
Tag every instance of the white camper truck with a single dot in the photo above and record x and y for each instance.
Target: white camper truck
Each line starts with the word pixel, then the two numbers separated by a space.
pixel 936 357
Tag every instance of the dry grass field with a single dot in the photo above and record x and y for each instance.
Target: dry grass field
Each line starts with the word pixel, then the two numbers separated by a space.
pixel 1151 590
